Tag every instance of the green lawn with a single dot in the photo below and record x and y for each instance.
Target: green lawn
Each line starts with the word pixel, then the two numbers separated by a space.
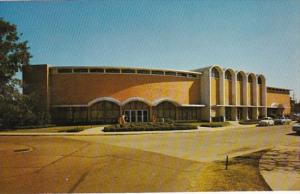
pixel 75 128
pixel 242 175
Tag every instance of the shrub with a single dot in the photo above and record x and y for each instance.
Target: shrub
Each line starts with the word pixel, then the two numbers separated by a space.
pixel 77 129
pixel 248 122
pixel 147 127
pixel 215 124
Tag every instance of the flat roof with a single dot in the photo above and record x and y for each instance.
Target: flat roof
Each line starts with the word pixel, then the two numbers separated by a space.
pixel 277 88
pixel 119 67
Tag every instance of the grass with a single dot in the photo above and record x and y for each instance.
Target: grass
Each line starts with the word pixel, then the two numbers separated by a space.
pixel 55 129
pixel 242 175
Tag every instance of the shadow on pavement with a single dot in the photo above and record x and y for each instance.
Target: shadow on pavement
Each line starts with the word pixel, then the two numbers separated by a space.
pixel 293 134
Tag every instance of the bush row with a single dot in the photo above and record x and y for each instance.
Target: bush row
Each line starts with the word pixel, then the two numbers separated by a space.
pixel 147 127
pixel 248 122
pixel 76 129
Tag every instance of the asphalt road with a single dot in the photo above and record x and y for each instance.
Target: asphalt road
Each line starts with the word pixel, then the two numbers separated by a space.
pixel 125 163
pixel 205 146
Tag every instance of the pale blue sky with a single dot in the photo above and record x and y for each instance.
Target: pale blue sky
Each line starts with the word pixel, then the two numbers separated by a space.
pixel 258 36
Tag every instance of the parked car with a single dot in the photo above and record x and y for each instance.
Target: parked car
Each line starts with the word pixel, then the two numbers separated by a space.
pixel 296 117
pixel 267 121
pixel 296 128
pixel 282 121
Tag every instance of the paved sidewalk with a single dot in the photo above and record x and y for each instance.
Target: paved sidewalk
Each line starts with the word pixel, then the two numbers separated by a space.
pixel 99 131
pixel 280 168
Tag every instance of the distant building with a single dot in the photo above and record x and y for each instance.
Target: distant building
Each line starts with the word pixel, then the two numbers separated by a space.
pixel 102 94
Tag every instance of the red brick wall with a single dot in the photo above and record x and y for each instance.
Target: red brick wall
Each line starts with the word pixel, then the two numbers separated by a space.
pixel 82 88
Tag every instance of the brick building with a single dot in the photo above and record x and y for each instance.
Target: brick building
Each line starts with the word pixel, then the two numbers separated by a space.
pixel 102 94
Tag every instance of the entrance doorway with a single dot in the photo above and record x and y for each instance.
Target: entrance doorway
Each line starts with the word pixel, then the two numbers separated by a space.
pixel 228 113
pixel 239 113
pixel 250 117
pixel 136 115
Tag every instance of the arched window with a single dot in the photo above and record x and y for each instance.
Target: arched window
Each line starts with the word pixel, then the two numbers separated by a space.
pixel 259 80
pixel 215 73
pixel 228 75
pixel 239 77
pixel 250 79
pixel 136 111
pixel 166 110
pixel 104 112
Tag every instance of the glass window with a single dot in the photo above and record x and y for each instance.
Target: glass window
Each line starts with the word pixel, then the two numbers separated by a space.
pixel 181 74
pixel 250 79
pixel 228 75
pixel 142 71
pixel 112 71
pixel 97 70
pixel 170 73
pixel 192 75
pixel 104 111
pixel 239 77
pixel 64 70
pixel 166 110
pixel 80 70
pixel 145 116
pixel 259 80
pixel 128 71
pixel 157 72
pixel 215 73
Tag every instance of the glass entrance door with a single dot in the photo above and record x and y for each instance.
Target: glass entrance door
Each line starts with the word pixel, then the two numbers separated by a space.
pixel 228 113
pixel 136 115
pixel 239 113
pixel 250 113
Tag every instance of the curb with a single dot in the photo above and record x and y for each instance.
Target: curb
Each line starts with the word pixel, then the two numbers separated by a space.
pixel 101 133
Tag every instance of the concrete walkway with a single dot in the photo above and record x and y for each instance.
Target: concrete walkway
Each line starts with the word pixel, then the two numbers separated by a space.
pixel 99 131
pixel 280 168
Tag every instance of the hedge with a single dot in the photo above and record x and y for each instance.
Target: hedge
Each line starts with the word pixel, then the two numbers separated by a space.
pixel 248 122
pixel 147 127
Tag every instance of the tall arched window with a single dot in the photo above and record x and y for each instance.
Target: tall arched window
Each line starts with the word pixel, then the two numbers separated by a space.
pixel 228 75
pixel 250 79
pixel 239 76
pixel 259 81
pixel 215 73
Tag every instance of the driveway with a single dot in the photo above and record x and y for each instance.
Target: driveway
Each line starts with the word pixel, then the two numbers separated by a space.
pixel 204 146
pixel 124 163
pixel 57 164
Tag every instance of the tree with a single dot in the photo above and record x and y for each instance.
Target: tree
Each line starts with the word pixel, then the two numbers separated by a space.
pixel 14 55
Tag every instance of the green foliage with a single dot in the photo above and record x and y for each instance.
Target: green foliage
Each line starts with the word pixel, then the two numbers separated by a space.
pixel 248 122
pixel 13 55
pixel 72 130
pixel 147 127
pixel 15 108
